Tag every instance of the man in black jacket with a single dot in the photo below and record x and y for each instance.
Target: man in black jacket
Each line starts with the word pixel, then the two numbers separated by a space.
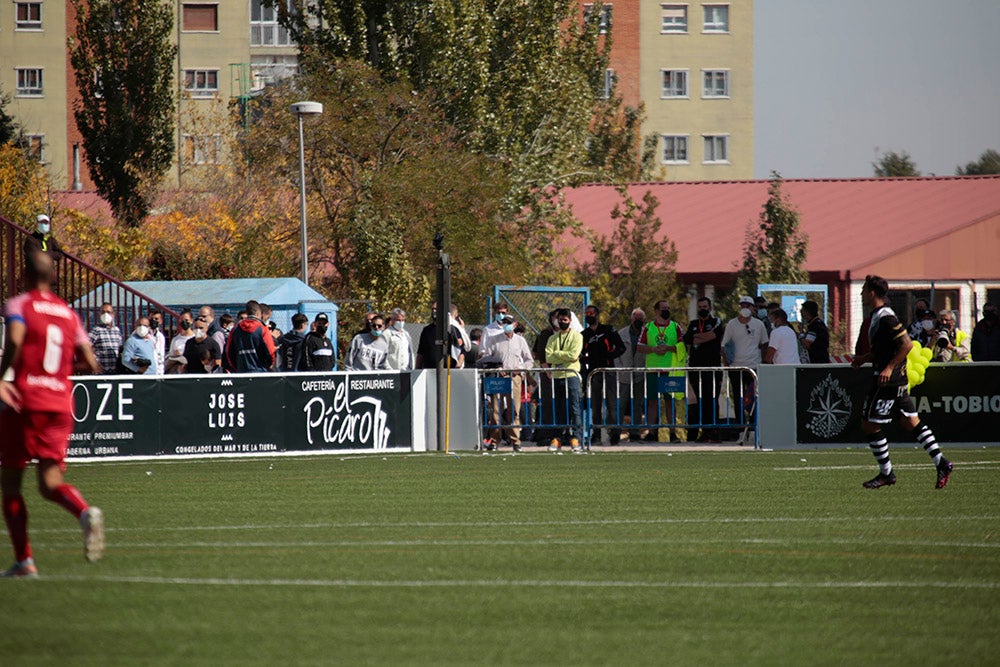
pixel 704 342
pixel 601 346
pixel 290 344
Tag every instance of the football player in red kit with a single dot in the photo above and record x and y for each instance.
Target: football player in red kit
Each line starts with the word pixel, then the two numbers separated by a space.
pixel 42 336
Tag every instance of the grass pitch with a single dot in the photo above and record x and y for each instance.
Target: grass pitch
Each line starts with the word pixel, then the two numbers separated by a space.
pixel 733 558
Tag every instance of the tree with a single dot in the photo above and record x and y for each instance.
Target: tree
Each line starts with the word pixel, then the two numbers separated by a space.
pixel 9 129
pixel 988 163
pixel 635 267
pixel 385 172
pixel 522 81
pixel 774 248
pixel 123 62
pixel 892 165
pixel 24 186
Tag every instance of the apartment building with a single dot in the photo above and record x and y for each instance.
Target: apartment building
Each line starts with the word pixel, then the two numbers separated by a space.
pixel 691 65
pixel 226 52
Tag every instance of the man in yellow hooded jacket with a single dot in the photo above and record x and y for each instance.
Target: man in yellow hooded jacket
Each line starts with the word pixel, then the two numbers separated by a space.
pixel 562 353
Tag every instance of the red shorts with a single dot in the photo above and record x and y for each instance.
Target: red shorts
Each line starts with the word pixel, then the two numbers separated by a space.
pixel 34 435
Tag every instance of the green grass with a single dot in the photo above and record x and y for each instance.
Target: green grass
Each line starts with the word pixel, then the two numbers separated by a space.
pixel 730 558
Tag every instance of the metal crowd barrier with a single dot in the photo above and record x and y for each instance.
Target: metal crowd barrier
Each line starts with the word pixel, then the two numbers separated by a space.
pixel 673 404
pixel 649 404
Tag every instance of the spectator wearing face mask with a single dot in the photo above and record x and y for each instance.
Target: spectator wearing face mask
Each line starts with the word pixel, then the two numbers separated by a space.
pixel 159 340
pixel 927 329
pixel 402 354
pixel 663 344
pixel 630 385
pixel 317 350
pixel 175 354
pixel 601 346
pixel 106 339
pixel 986 335
pixel 138 354
pixel 369 351
pixel 704 342
pixel 199 347
pixel 748 338
pixel 42 240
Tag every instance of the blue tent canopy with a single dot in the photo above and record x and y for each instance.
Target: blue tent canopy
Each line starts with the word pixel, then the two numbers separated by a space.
pixel 285 296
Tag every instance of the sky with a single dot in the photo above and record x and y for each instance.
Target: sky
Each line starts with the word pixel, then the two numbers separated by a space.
pixel 838 82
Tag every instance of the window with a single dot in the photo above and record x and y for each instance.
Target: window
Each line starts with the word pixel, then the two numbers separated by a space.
pixel 604 22
pixel 36 146
pixel 675 149
pixel 202 149
pixel 28 16
pixel 675 18
pixel 609 83
pixel 264 28
pixel 716 83
pixel 675 83
pixel 716 148
pixel 29 82
pixel 201 82
pixel 716 18
pixel 199 17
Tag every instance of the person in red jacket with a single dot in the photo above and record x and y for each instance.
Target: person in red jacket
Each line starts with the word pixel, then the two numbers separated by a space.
pixel 250 346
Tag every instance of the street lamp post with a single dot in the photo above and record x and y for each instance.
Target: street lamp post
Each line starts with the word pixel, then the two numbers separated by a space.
pixel 301 109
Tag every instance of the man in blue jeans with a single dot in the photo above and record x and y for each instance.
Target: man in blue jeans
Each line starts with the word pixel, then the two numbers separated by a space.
pixel 562 353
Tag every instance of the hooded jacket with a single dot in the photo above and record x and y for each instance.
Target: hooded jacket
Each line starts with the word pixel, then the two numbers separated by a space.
pixel 249 348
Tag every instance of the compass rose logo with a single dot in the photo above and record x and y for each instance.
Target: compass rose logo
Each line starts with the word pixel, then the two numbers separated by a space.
pixel 830 407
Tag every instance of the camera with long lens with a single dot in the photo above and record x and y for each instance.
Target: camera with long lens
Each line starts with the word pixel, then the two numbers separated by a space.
pixel 943 336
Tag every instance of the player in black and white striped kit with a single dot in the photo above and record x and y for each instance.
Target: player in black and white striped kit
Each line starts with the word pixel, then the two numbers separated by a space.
pixel 889 396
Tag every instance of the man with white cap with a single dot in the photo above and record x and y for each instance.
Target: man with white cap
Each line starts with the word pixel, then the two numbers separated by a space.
pixel 42 239
pixel 748 338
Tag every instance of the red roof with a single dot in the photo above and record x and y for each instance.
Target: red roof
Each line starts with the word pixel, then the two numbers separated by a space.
pixel 87 202
pixel 851 223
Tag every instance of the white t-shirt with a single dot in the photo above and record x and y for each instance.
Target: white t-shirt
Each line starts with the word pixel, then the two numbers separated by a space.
pixel 747 339
pixel 785 344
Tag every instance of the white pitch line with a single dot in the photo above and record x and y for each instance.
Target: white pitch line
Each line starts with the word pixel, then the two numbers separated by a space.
pixel 526 583
pixel 980 465
pixel 525 524
pixel 124 546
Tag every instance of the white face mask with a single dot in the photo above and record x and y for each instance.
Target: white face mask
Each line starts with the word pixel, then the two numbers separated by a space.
pixel 107 319
pixel 199 334
pixel 209 367
pixel 44 227
pixel 397 325
pixel 927 324
pixel 745 312
pixel 142 331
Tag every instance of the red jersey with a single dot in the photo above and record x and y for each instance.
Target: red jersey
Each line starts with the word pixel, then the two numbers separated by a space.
pixel 53 332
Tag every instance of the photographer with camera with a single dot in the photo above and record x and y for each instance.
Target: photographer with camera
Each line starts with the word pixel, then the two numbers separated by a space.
pixel 139 350
pixel 950 343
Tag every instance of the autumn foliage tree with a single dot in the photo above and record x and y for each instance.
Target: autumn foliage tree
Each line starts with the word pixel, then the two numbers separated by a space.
pixel 123 62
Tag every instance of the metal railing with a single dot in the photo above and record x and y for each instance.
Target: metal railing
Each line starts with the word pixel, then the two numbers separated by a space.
pixel 671 404
pixel 83 286
pixel 649 404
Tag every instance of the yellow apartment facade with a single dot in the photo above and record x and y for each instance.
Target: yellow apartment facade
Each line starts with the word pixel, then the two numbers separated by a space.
pixel 691 65
pixel 696 69
pixel 227 50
